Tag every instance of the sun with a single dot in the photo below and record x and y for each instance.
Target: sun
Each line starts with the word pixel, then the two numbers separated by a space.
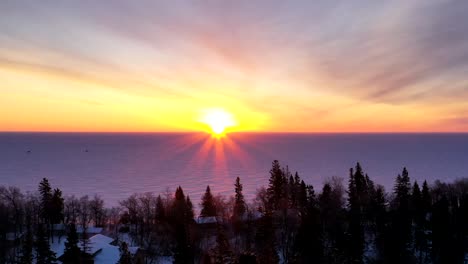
pixel 218 121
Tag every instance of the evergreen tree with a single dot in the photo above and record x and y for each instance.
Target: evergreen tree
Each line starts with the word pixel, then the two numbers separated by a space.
pixel 239 202
pixel 182 216
pixel 189 210
pixel 43 253
pixel 302 197
pixel 400 239
pixel 208 206
pixel 441 232
pixel 358 201
pixel 418 215
pixel 276 186
pixel 45 190
pixel 426 199
pixel 222 251
pixel 426 207
pixel 179 207
pixel 265 240
pixel 125 255
pixel 56 206
pixel 27 248
pixel 379 214
pixel 309 240
pixel 72 253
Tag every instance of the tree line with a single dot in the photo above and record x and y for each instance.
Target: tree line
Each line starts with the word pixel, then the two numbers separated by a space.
pixel 351 220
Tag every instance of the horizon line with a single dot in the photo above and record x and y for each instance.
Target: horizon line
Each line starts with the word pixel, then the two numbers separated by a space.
pixel 234 132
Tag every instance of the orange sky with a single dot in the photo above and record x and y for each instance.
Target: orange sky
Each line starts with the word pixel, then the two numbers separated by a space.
pixel 304 67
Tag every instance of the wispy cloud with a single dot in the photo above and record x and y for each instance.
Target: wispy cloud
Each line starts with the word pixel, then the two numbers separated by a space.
pixel 364 53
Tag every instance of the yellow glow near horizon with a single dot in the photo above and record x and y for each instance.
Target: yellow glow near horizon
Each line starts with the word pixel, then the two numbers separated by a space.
pixel 218 120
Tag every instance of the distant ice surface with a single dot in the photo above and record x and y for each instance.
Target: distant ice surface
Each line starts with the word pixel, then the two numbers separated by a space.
pixel 117 165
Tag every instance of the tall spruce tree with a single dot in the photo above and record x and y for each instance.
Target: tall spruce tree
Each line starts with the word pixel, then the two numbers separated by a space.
pixel 27 248
pixel 401 221
pixel 182 216
pixel 43 253
pixel 125 255
pixel 276 186
pixel 309 239
pixel 45 191
pixel 358 202
pixel 378 206
pixel 441 232
pixel 222 251
pixel 239 202
pixel 208 205
pixel 265 240
pixel 418 221
pixel 189 214
pixel 72 253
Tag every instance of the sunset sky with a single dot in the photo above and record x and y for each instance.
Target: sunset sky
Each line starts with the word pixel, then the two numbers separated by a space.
pixel 297 66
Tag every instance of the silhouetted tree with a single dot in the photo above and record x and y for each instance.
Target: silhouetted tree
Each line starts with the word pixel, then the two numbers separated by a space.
pixel 265 240
pixel 56 207
pixel 27 248
pixel 309 240
pixel 441 232
pixel 378 206
pixel 43 253
pixel 332 222
pixel 400 235
pixel 358 201
pixel 276 186
pixel 208 206
pixel 182 216
pixel 239 202
pixel 222 251
pixel 125 255
pixel 46 210
pixel 72 253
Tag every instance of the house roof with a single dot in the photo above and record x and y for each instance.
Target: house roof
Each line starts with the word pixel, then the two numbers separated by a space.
pixel 206 220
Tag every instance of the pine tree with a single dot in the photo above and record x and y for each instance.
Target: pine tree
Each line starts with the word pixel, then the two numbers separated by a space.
pixel 43 253
pixel 45 190
pixel 179 207
pixel 182 216
pixel 379 213
pixel 304 192
pixel 401 222
pixel 72 253
pixel 208 206
pixel 57 206
pixel 189 214
pixel 125 255
pixel 441 233
pixel 426 199
pixel 418 219
pixel 222 251
pixel 309 239
pixel 27 248
pixel 239 202
pixel 358 202
pixel 276 186
pixel 265 240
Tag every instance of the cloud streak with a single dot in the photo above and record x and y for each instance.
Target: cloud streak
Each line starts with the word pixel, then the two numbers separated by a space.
pixel 365 53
